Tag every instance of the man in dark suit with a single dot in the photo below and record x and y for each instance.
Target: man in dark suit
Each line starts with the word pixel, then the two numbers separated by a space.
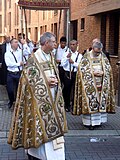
pixel 5 46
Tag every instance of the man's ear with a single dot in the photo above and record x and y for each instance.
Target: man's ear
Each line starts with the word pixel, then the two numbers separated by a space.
pixel 46 43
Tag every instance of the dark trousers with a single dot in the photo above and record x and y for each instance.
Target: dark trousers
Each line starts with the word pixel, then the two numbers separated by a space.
pixel 61 74
pixel 69 85
pixel 12 85
pixel 3 77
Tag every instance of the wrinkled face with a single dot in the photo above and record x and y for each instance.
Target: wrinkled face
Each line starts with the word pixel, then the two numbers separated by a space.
pixel 14 44
pixel 55 46
pixel 51 43
pixel 97 51
pixel 73 46
pixel 62 44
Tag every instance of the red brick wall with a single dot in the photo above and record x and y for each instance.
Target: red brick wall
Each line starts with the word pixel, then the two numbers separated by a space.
pixel 92 24
pixel 93 30
pixel 94 1
pixel 111 35
pixel 113 61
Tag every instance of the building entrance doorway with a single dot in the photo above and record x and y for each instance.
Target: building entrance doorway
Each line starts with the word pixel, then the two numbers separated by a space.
pixel 74 29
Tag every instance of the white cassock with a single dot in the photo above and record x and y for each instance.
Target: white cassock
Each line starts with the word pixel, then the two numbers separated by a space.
pixel 94 119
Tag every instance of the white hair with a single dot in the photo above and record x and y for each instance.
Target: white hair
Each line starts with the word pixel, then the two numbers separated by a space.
pixel 46 37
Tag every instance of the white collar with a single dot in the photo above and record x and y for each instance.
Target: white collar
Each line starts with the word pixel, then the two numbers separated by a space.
pixel 62 48
pixel 13 50
pixel 76 52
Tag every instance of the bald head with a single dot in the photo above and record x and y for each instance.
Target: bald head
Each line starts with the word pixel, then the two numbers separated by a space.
pixel 95 40
pixel 97 48
pixel 98 45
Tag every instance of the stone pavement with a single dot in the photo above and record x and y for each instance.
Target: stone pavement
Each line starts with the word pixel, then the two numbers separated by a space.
pixel 77 148
pixel 103 143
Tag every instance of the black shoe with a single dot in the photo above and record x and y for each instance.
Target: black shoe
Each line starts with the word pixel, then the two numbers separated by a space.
pixel 72 113
pixel 9 105
pixel 32 158
pixel 91 127
pixel 67 110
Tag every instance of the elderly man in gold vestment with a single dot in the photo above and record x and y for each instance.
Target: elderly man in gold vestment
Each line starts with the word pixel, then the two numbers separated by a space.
pixel 39 121
pixel 94 92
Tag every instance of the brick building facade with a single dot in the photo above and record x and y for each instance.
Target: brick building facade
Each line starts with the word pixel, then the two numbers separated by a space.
pixel 37 21
pixel 101 19
pixel 89 19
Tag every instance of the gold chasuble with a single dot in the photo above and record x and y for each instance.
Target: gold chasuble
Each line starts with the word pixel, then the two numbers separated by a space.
pixel 91 96
pixel 37 117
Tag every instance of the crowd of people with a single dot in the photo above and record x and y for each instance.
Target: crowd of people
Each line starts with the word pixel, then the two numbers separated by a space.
pixel 52 80
pixel 15 54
